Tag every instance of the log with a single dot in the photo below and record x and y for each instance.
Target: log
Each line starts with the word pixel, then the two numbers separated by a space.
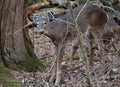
pixel 37 6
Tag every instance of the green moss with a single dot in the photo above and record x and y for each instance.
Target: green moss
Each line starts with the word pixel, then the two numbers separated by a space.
pixel 68 58
pixel 28 64
pixel 48 62
pixel 14 66
pixel 15 84
pixel 6 78
pixel 45 62
pixel 31 64
pixel 76 58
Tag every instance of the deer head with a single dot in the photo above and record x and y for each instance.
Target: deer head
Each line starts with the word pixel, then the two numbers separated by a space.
pixel 41 21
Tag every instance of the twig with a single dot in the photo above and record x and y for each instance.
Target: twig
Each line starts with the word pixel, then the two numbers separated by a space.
pixel 46 82
pixel 79 39
pixel 19 29
pixel 35 21
pixel 113 11
pixel 81 10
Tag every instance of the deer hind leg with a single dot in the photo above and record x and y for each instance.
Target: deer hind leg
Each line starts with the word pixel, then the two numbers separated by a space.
pixel 59 61
pixel 74 49
pixel 91 55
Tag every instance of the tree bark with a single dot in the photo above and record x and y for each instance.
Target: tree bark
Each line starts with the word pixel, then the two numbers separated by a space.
pixel 16 49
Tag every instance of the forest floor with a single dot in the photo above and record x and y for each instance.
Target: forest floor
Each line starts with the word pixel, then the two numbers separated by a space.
pixel 73 72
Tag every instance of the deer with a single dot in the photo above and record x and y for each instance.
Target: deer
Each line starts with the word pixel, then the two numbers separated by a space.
pixel 91 21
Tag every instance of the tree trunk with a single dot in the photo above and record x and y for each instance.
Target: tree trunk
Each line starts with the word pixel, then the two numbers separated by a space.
pixel 16 49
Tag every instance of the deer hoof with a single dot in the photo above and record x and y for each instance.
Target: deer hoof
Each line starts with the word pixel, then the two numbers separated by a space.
pixel 55 86
pixel 52 80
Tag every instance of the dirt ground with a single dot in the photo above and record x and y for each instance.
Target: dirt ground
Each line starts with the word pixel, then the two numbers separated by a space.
pixel 73 72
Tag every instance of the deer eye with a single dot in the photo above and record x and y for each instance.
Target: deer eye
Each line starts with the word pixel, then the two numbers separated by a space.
pixel 36 24
pixel 45 22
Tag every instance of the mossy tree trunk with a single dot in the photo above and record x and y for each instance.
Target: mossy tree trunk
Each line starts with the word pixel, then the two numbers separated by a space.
pixel 16 49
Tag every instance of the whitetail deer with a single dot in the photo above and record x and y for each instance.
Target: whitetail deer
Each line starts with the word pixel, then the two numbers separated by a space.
pixel 91 19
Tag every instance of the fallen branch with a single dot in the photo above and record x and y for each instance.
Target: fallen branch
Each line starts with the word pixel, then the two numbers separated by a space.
pixel 38 6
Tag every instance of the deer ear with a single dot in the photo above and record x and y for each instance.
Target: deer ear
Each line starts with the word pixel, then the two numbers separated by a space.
pixel 30 17
pixel 117 20
pixel 50 16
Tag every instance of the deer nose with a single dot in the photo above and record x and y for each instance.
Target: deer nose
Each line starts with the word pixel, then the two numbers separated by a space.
pixel 41 32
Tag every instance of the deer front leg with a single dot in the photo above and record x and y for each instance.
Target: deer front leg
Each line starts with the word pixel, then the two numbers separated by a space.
pixel 101 48
pixel 59 61
pixel 53 76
